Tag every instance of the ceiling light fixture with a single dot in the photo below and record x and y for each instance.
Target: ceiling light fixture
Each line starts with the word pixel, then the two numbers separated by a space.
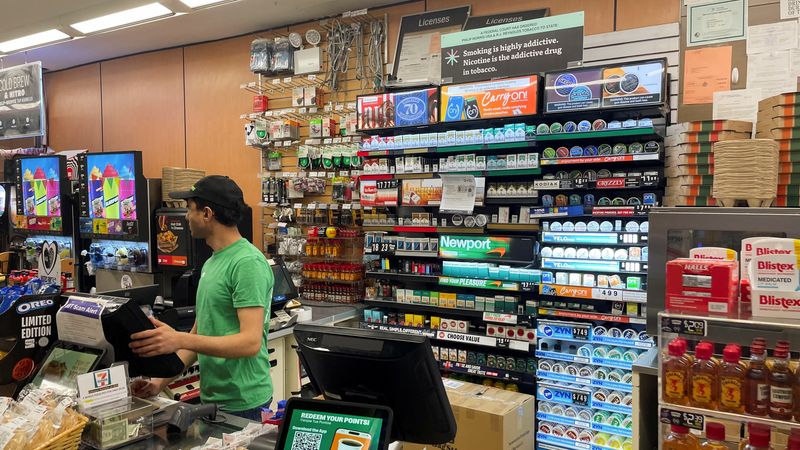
pixel 127 17
pixel 201 3
pixel 33 40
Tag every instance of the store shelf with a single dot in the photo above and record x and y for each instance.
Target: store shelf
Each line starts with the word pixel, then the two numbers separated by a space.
pixel 570 422
pixel 510 200
pixel 617 295
pixel 740 418
pixel 621 211
pixel 449 336
pixel 488 372
pixel 418 229
pixel 407 254
pixel 610 407
pixel 513 227
pixel 605 362
pixel 588 382
pixel 613 184
pixel 449 149
pixel 424 308
pixel 603 340
pixel 603 134
pixel 410 277
pixel 588 265
pixel 562 442
pixel 429 175
pixel 590 316
pixel 324 280
pixel 560 211
pixel 494 285
pixel 593 238
pixel 606 159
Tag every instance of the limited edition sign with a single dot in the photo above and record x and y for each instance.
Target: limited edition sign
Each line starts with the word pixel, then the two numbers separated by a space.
pixel 514 49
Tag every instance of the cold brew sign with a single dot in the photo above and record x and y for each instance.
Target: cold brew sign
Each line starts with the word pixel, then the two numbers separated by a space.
pixel 513 49
pixel 21 105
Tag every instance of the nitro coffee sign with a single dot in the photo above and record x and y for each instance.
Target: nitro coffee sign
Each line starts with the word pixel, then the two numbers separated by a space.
pixel 514 49
pixel 21 104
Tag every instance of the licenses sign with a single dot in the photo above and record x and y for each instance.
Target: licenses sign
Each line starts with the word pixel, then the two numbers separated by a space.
pixel 21 101
pixel 502 19
pixel 514 49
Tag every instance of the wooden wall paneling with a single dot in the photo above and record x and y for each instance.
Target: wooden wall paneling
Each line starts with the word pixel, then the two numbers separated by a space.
pixel 645 13
pixel 215 140
pixel 143 108
pixel 599 17
pixel 74 110
pixel 10 144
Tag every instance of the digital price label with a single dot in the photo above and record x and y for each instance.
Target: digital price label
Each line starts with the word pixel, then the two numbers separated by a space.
pixel 580 398
pixel 383 247
pixel 691 327
pixel 682 418
pixel 557 330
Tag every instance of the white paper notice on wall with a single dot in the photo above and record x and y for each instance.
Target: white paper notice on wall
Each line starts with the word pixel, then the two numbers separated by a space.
pixel 771 72
pixel 741 104
pixel 772 37
pixel 790 9
pixel 458 194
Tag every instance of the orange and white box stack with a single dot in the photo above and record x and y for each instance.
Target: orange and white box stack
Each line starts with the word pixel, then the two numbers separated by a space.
pixel 779 119
pixel 689 164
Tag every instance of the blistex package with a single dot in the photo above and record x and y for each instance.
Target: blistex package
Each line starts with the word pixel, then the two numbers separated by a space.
pixel 774 277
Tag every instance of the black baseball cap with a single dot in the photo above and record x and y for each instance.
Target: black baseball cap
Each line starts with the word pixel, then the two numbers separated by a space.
pixel 217 189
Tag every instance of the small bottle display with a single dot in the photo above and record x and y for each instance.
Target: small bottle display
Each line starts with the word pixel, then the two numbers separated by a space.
pixel 704 376
pixel 781 381
pixel 679 438
pixel 756 392
pixel 715 437
pixel 676 373
pixel 731 380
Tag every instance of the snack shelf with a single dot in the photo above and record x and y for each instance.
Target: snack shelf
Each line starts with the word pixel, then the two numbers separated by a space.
pixel 594 293
pixel 567 314
pixel 449 149
pixel 593 238
pixel 428 175
pixel 604 159
pixel 450 336
pixel 622 132
pixel 423 308
pixel 488 372
pixel 588 382
pixel 666 408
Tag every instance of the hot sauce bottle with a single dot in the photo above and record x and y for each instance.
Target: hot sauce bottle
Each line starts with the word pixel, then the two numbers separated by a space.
pixel 781 381
pixel 676 373
pixel 731 380
pixel 756 390
pixel 704 376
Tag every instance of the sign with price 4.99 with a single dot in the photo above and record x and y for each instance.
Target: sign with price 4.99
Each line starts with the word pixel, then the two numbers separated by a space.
pixel 607 294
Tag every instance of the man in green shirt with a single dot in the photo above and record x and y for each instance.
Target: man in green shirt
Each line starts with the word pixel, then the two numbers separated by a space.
pixel 229 337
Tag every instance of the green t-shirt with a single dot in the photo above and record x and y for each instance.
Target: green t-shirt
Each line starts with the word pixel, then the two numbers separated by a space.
pixel 238 276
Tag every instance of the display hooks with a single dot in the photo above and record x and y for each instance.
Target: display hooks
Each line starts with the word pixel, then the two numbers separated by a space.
pixel 375 55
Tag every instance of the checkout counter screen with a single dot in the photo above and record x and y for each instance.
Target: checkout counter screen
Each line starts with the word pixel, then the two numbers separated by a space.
pixel 317 430
pixel 112 186
pixel 38 201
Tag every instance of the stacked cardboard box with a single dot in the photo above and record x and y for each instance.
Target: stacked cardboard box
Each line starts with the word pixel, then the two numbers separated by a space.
pixel 689 163
pixel 779 119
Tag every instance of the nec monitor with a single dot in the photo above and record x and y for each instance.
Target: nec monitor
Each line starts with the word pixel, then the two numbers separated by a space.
pixel 380 368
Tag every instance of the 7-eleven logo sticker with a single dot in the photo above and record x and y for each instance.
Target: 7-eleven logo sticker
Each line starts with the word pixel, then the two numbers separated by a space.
pixel 102 378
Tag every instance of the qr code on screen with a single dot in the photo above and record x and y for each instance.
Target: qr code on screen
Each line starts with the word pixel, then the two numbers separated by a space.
pixel 306 441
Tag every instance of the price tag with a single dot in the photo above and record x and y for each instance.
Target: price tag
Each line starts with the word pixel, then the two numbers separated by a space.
pixel 580 183
pixel 337 140
pixel 344 173
pixel 302 111
pixel 312 77
pixel 527 286
pixel 503 343
pixel 347 206
pixel 298 205
pixel 276 81
pixel 339 107
pixel 334 206
pixel 347 139
pixel 384 247
pixel 509 319
pixel 649 180
pixel 328 108
pixel 313 110
pixel 327 141
pixel 287 80
pixel 351 105
pixel 606 294
pixel 580 399
pixel 323 206
pixel 684 326
pixel 311 207
pixel 269 113
pixel 331 175
pixel 682 418
pixel 580 333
